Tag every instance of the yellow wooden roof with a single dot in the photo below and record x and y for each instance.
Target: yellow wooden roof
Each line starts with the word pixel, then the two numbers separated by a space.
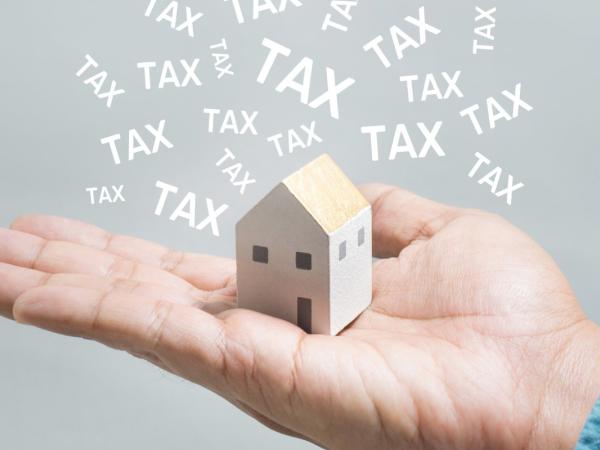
pixel 326 193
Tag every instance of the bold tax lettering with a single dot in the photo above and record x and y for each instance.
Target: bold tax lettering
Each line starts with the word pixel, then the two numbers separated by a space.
pixel 233 170
pixel 230 121
pixel 97 81
pixel 402 141
pixel 106 196
pixel 495 110
pixel 169 74
pixel 304 71
pixel 137 144
pixel 431 86
pixel 401 40
pixel 342 10
pixel 170 14
pixel 187 209
pixel 259 7
pixel 294 140
pixel 484 31
pixel 493 178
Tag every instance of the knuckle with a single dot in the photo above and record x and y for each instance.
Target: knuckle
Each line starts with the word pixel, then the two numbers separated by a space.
pixel 122 268
pixel 158 324
pixel 171 259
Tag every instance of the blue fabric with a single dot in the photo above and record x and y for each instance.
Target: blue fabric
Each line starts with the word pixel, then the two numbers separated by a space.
pixel 590 436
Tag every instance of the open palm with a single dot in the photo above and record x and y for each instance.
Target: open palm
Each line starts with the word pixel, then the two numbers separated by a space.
pixel 469 342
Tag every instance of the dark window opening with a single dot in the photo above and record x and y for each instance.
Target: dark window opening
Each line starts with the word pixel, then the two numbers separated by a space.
pixel 260 254
pixel 303 261
pixel 342 250
pixel 361 236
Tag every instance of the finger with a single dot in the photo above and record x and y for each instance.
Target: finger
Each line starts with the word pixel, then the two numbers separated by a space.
pixel 27 250
pixel 15 280
pixel 189 341
pixel 204 271
pixel 401 218
pixel 267 364
pixel 123 320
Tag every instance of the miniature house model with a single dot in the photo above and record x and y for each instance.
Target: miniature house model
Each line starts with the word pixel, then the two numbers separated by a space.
pixel 304 251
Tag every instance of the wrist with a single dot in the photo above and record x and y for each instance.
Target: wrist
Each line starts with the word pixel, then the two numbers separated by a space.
pixel 572 388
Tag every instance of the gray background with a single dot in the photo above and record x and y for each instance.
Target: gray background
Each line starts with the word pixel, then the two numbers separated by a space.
pixel 63 393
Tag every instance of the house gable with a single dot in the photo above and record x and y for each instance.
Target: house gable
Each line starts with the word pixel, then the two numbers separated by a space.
pixel 283 261
pixel 280 208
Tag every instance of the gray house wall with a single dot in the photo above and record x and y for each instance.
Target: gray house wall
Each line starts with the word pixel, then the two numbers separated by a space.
pixel 280 223
pixel 351 277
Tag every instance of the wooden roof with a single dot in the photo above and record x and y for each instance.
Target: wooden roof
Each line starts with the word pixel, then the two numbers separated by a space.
pixel 326 193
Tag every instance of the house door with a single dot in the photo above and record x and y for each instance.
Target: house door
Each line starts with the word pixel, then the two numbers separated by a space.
pixel 304 317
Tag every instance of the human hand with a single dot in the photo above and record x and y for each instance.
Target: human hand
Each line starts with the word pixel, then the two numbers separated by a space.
pixel 474 338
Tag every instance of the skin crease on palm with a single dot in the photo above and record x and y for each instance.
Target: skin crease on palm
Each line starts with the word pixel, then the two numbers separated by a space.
pixel 474 339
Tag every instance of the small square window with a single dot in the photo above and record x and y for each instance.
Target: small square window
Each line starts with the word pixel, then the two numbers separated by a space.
pixel 303 261
pixel 361 236
pixel 260 254
pixel 342 250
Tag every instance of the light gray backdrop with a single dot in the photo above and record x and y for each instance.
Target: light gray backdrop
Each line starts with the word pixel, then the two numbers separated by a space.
pixel 62 393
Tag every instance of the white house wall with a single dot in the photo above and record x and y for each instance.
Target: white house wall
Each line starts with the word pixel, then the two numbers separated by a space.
pixel 351 278
pixel 280 223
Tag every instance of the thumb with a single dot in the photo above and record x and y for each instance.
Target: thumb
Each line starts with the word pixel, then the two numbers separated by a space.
pixel 401 217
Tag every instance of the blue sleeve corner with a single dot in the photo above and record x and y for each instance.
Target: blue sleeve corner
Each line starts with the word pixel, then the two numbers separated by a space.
pixel 590 436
